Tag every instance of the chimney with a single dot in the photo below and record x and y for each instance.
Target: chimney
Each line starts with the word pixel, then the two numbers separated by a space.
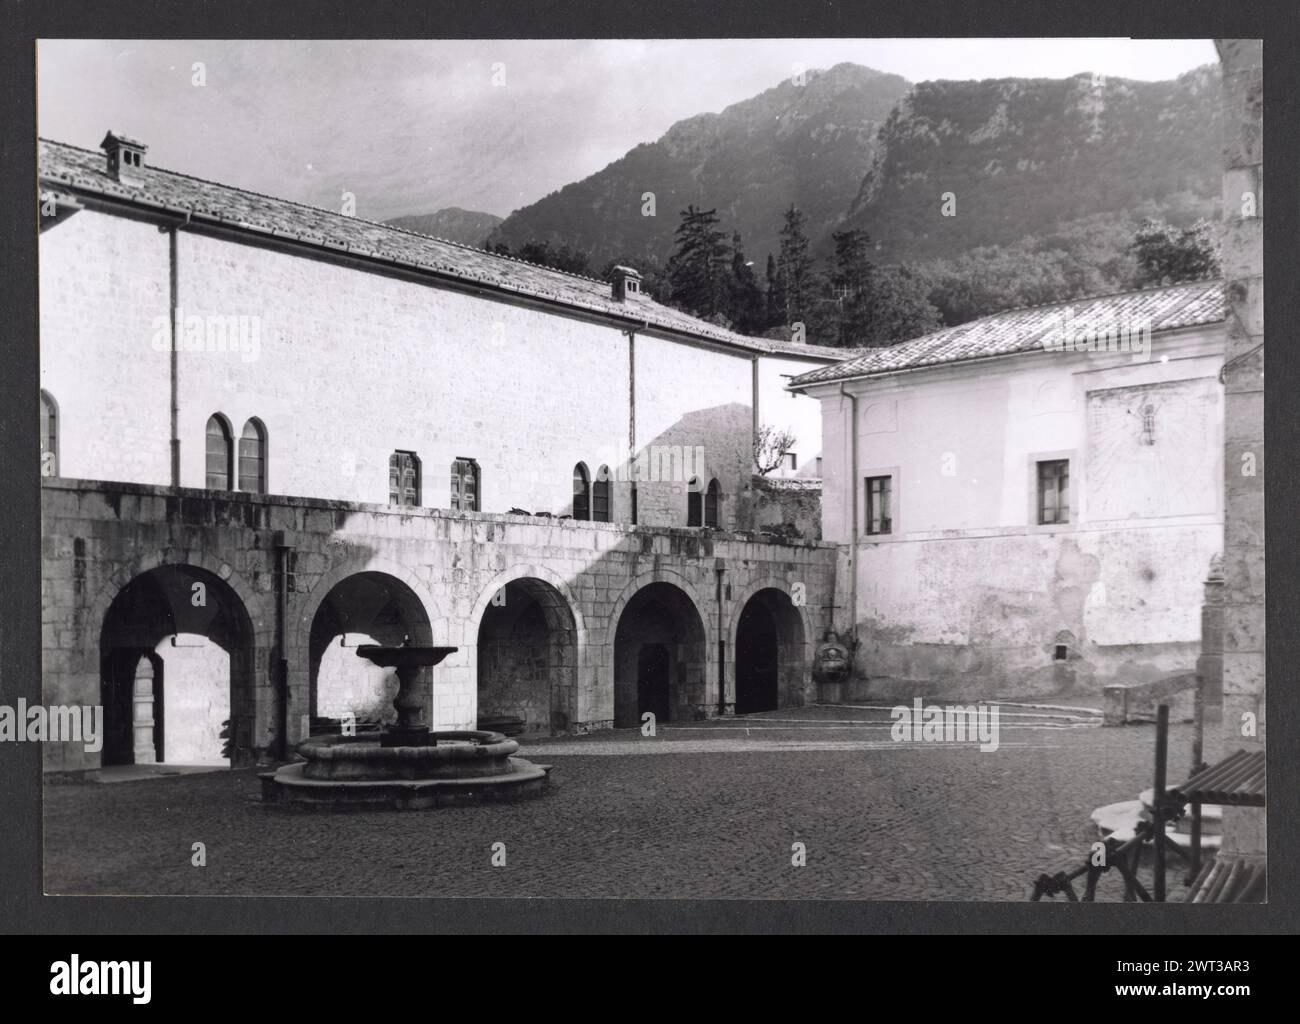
pixel 626 283
pixel 125 158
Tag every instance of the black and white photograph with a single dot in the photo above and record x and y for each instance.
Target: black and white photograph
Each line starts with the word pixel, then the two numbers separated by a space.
pixel 750 468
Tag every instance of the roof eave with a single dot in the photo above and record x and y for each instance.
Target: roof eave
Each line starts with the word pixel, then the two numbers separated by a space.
pixel 155 209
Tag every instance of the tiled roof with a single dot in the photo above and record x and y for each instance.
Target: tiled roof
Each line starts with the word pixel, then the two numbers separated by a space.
pixel 1023 330
pixel 81 171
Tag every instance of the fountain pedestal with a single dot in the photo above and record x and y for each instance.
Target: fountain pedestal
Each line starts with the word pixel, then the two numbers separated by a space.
pixel 405 766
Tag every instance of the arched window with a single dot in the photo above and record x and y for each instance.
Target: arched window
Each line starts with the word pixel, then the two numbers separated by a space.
pixel 466 483
pixel 49 435
pixel 252 457
pixel 581 492
pixel 219 454
pixel 600 496
pixel 711 497
pixel 694 503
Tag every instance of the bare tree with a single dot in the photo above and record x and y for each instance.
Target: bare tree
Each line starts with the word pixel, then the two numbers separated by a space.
pixel 770 446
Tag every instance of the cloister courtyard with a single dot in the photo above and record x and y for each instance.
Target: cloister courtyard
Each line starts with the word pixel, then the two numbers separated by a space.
pixel 710 810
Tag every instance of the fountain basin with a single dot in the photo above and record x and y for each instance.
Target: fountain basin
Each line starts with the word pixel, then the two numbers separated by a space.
pixel 359 772
pixel 405 766
pixel 365 756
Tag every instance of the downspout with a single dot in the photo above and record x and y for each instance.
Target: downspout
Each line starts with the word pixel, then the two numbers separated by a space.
pixel 281 662
pixel 174 355
pixel 853 490
pixel 719 568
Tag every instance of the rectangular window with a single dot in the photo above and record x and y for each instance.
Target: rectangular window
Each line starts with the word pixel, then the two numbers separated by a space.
pixel 464 485
pixel 1054 491
pixel 879 509
pixel 404 479
pixel 791 461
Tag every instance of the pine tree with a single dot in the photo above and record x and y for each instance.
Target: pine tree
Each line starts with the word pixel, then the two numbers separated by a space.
pixel 775 295
pixel 700 266
pixel 851 281
pixel 745 306
pixel 795 267
pixel 874 305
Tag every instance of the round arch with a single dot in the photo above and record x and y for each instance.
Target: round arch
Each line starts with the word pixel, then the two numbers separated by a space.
pixel 769 635
pixel 660 654
pixel 528 650
pixel 176 651
pixel 661 575
pixel 309 604
pixel 363 607
pixel 120 578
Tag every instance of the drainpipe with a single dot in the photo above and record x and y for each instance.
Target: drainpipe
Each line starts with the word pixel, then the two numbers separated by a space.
pixel 631 408
pixel 631 405
pixel 853 490
pixel 719 568
pixel 281 687
pixel 174 357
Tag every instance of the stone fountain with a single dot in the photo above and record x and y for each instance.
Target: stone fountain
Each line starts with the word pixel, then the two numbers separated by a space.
pixel 405 766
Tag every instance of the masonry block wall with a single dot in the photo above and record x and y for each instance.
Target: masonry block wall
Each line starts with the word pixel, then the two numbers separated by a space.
pixel 1244 462
pixel 343 366
pixel 103 283
pixel 98 537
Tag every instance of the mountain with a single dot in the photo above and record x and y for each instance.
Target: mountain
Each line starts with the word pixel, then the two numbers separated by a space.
pixel 471 227
pixel 1022 157
pixel 806 144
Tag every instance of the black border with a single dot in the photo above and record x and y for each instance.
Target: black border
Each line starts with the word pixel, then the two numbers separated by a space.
pixel 24 909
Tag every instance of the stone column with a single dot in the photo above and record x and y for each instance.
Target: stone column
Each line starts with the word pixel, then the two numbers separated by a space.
pixel 1244 463
pixel 1209 667
pixel 142 721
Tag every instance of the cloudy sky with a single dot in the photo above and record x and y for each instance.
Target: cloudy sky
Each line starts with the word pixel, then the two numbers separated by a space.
pixel 411 127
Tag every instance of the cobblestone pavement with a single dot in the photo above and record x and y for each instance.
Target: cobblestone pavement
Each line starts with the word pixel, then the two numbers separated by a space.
pixel 703 811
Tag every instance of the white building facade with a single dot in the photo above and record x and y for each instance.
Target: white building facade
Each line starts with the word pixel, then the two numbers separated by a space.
pixel 1020 517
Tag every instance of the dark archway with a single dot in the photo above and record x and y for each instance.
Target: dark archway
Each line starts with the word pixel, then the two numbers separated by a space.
pixel 365 608
pixel 176 671
pixel 660 657
pixel 771 655
pixel 528 657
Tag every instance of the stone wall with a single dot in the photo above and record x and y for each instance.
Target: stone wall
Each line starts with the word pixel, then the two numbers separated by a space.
pixel 785 507
pixel 1243 724
pixel 97 537
pixel 344 366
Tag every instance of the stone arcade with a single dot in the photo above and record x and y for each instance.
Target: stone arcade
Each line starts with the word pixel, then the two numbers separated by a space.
pixel 427 441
